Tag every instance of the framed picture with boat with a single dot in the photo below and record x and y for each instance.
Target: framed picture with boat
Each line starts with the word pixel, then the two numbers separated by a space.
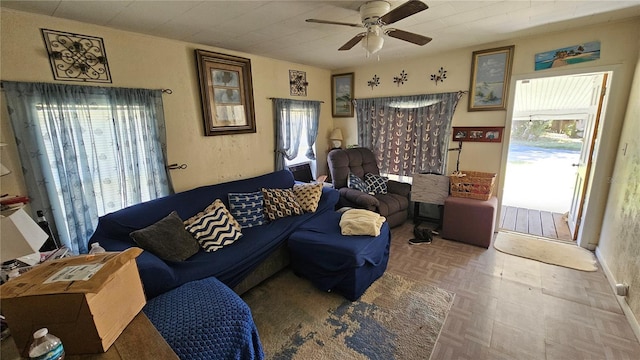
pixel 490 76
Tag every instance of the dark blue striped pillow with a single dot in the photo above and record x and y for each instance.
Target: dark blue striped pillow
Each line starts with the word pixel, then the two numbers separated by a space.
pixel 247 208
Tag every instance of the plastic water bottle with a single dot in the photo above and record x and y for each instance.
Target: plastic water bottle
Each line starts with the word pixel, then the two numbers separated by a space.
pixel 46 346
pixel 96 249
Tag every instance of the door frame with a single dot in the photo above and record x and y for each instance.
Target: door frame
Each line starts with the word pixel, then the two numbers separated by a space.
pixel 587 151
pixel 593 212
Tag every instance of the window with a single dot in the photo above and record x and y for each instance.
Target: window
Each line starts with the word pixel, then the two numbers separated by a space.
pixel 296 131
pixel 111 184
pixel 407 139
pixel 303 145
pixel 87 151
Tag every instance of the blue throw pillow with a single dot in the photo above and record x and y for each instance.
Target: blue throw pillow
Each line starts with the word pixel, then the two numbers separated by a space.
pixel 376 184
pixel 354 182
pixel 247 208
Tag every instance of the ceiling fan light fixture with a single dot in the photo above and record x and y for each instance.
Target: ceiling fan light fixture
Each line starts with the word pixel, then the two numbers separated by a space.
pixel 372 43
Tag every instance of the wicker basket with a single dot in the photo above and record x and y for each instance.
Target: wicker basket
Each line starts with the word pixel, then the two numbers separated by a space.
pixel 475 185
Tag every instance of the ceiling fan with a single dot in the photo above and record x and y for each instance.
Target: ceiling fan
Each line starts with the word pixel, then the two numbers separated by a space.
pixel 375 15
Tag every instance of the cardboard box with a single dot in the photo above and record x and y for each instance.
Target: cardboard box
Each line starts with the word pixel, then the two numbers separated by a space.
pixel 88 315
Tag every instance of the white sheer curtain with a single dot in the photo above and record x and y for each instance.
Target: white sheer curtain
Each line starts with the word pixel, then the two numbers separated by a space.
pixel 291 116
pixel 87 151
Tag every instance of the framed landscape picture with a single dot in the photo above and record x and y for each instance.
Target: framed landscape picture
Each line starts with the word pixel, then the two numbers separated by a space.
pixel 226 91
pixel 568 55
pixel 342 95
pixel 490 76
pixel 477 134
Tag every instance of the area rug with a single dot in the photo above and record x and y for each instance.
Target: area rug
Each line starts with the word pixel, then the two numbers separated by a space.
pixel 547 251
pixel 396 318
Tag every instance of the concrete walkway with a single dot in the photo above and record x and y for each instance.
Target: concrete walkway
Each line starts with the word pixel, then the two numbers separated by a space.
pixel 540 178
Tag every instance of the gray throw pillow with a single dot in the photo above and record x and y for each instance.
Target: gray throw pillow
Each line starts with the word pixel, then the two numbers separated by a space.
pixel 167 239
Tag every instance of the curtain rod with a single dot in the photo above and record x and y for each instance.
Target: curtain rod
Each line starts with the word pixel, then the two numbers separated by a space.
pixel 164 91
pixel 460 92
pixel 273 98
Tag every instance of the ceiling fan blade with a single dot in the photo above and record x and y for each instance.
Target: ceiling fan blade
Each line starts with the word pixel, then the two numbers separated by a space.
pixel 405 10
pixel 408 36
pixel 351 43
pixel 333 23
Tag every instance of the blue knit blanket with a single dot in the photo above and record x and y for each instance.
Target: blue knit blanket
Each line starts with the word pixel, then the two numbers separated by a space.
pixel 205 320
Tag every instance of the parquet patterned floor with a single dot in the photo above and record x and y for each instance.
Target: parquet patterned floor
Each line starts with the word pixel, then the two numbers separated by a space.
pixel 507 307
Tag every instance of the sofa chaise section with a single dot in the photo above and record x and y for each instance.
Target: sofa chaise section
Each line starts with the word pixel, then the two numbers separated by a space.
pixel 232 263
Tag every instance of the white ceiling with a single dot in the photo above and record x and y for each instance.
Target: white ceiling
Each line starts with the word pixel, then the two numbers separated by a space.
pixel 277 29
pixel 559 97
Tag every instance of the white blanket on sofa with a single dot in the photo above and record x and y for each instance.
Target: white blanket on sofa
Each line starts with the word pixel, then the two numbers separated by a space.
pixel 361 222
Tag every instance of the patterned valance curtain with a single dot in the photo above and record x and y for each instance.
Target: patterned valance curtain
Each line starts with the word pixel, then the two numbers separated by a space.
pixel 291 116
pixel 408 134
pixel 87 151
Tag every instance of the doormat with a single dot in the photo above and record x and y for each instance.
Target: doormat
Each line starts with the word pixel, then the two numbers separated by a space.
pixel 546 251
pixel 395 318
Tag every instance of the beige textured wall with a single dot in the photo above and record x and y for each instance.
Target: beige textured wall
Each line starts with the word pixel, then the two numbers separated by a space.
pixel 619 45
pixel 620 239
pixel 143 61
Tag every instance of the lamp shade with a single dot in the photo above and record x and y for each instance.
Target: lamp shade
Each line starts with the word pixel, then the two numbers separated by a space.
pixel 373 43
pixel 20 236
pixel 336 134
pixel 4 170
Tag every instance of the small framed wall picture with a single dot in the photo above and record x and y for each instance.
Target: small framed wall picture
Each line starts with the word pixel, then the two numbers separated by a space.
pixel 342 95
pixel 478 134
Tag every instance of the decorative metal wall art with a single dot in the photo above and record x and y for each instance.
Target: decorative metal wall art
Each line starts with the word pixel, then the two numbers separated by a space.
pixel 375 81
pixel 298 83
pixel 440 76
pixel 400 79
pixel 76 57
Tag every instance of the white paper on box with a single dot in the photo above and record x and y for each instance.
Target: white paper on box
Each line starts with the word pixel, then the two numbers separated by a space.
pixel 75 273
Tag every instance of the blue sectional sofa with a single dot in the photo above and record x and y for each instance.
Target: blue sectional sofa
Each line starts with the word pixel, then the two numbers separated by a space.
pixel 231 264
pixel 228 272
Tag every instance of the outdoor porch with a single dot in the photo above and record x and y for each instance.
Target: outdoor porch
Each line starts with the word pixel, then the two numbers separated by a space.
pixel 535 222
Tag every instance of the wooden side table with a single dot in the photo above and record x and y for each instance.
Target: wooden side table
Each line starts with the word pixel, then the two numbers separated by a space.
pixel 139 341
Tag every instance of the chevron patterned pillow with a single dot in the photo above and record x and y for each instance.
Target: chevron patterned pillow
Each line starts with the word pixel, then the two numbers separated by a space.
pixel 247 208
pixel 279 203
pixel 214 205
pixel 308 196
pixel 376 184
pixel 214 230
